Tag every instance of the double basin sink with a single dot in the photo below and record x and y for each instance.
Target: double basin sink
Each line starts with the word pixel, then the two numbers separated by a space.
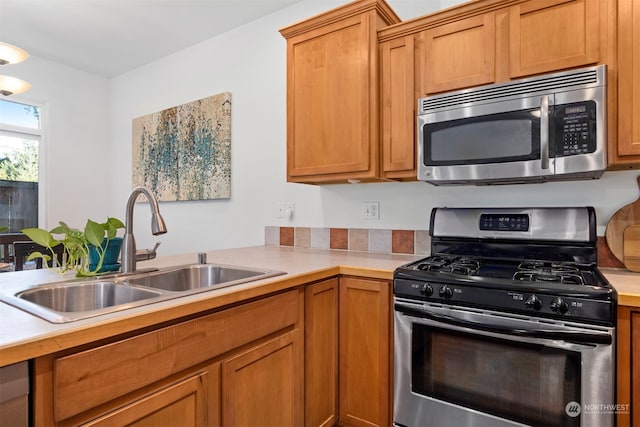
pixel 81 298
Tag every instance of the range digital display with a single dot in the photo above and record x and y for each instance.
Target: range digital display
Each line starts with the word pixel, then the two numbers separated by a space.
pixel 504 222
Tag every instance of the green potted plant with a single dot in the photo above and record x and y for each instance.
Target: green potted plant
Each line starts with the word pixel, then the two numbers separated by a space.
pixel 85 251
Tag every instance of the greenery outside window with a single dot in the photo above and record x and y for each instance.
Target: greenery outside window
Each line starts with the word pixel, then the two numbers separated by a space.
pixel 20 134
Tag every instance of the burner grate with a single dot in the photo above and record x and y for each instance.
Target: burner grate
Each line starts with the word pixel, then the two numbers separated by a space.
pixel 450 264
pixel 540 271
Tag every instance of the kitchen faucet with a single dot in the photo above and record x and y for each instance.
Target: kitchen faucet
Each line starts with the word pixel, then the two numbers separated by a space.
pixel 129 253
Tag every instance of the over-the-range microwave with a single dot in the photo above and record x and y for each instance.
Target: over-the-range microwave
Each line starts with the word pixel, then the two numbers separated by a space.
pixel 544 128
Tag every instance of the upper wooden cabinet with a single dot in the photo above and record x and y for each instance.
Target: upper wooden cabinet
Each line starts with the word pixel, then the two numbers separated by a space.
pixel 551 35
pixel 456 55
pixel 626 152
pixel 398 109
pixel 332 94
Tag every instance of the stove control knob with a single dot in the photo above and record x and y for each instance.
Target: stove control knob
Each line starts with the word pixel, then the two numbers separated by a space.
pixel 426 290
pixel 533 303
pixel 559 306
pixel 446 292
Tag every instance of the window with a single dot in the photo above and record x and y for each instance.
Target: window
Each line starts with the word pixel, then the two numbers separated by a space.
pixel 20 134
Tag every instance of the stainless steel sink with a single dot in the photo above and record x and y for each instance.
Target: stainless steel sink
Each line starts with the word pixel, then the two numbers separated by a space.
pixel 66 302
pixel 75 297
pixel 198 276
pixel 81 298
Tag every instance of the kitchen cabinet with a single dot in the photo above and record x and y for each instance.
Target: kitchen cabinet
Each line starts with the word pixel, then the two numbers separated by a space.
pixel 398 109
pixel 456 55
pixel 628 366
pixel 321 353
pixel 365 352
pixel 552 35
pixel 208 370
pixel 348 352
pixel 624 151
pixel 183 403
pixel 332 94
pixel 494 41
pixel 263 386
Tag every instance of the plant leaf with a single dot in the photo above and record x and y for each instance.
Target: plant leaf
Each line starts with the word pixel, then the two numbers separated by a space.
pixel 40 236
pixel 35 255
pixel 112 225
pixel 94 233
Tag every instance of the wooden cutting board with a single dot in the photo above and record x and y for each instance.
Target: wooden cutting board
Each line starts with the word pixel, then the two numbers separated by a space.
pixel 632 247
pixel 626 216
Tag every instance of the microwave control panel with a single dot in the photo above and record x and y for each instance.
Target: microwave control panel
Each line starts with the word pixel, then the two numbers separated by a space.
pixel 575 128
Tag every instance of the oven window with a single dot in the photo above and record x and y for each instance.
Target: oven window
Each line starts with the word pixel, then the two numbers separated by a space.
pixel 522 382
pixel 513 136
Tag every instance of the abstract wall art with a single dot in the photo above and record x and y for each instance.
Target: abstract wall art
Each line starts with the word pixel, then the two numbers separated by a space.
pixel 184 152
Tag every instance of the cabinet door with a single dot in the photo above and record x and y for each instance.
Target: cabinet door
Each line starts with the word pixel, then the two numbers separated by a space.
pixel 628 143
pixel 398 108
pixel 181 404
pixel 550 35
pixel 635 368
pixel 321 353
pixel 263 386
pixel 457 55
pixel 329 100
pixel 364 352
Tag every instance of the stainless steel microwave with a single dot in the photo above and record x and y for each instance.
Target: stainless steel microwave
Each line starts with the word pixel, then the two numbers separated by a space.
pixel 544 128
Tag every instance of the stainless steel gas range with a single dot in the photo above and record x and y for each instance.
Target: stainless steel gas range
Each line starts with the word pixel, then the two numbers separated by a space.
pixel 508 322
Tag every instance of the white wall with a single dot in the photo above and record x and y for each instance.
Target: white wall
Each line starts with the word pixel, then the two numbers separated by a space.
pixel 87 147
pixel 250 63
pixel 76 175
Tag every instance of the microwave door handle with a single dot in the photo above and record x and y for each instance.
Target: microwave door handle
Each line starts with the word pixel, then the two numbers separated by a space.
pixel 544 132
pixel 571 336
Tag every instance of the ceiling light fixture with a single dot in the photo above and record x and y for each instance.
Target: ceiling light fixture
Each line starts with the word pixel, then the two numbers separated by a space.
pixel 10 85
pixel 10 54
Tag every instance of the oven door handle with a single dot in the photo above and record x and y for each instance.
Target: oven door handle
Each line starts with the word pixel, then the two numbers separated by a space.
pixel 569 336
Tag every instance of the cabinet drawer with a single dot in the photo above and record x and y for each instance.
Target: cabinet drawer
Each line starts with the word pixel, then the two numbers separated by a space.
pixel 110 371
pixel 183 403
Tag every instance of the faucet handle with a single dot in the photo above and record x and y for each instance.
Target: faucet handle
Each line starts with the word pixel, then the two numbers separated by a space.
pixel 147 254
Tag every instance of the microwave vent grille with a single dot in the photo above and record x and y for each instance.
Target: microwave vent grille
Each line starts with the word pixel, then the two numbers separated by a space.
pixel 547 84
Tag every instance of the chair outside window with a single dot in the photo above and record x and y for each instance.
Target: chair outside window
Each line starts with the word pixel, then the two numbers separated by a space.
pixel 22 250
pixel 6 245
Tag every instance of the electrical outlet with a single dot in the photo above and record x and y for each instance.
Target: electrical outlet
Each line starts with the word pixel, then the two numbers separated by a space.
pixel 286 210
pixel 371 210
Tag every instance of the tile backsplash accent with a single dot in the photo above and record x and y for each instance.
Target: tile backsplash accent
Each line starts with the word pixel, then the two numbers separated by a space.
pixel 415 242
pixel 353 239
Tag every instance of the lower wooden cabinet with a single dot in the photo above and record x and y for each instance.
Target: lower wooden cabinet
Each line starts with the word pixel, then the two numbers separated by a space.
pixel 240 366
pixel 347 354
pixel 628 366
pixel 365 330
pixel 181 404
pixel 263 385
pixel 321 353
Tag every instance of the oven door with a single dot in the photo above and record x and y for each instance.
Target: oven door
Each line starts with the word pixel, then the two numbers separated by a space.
pixel 465 367
pixel 506 140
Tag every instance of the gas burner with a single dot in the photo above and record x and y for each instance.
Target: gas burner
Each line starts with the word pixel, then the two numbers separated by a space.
pixel 555 273
pixel 548 267
pixel 450 264
pixel 531 276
